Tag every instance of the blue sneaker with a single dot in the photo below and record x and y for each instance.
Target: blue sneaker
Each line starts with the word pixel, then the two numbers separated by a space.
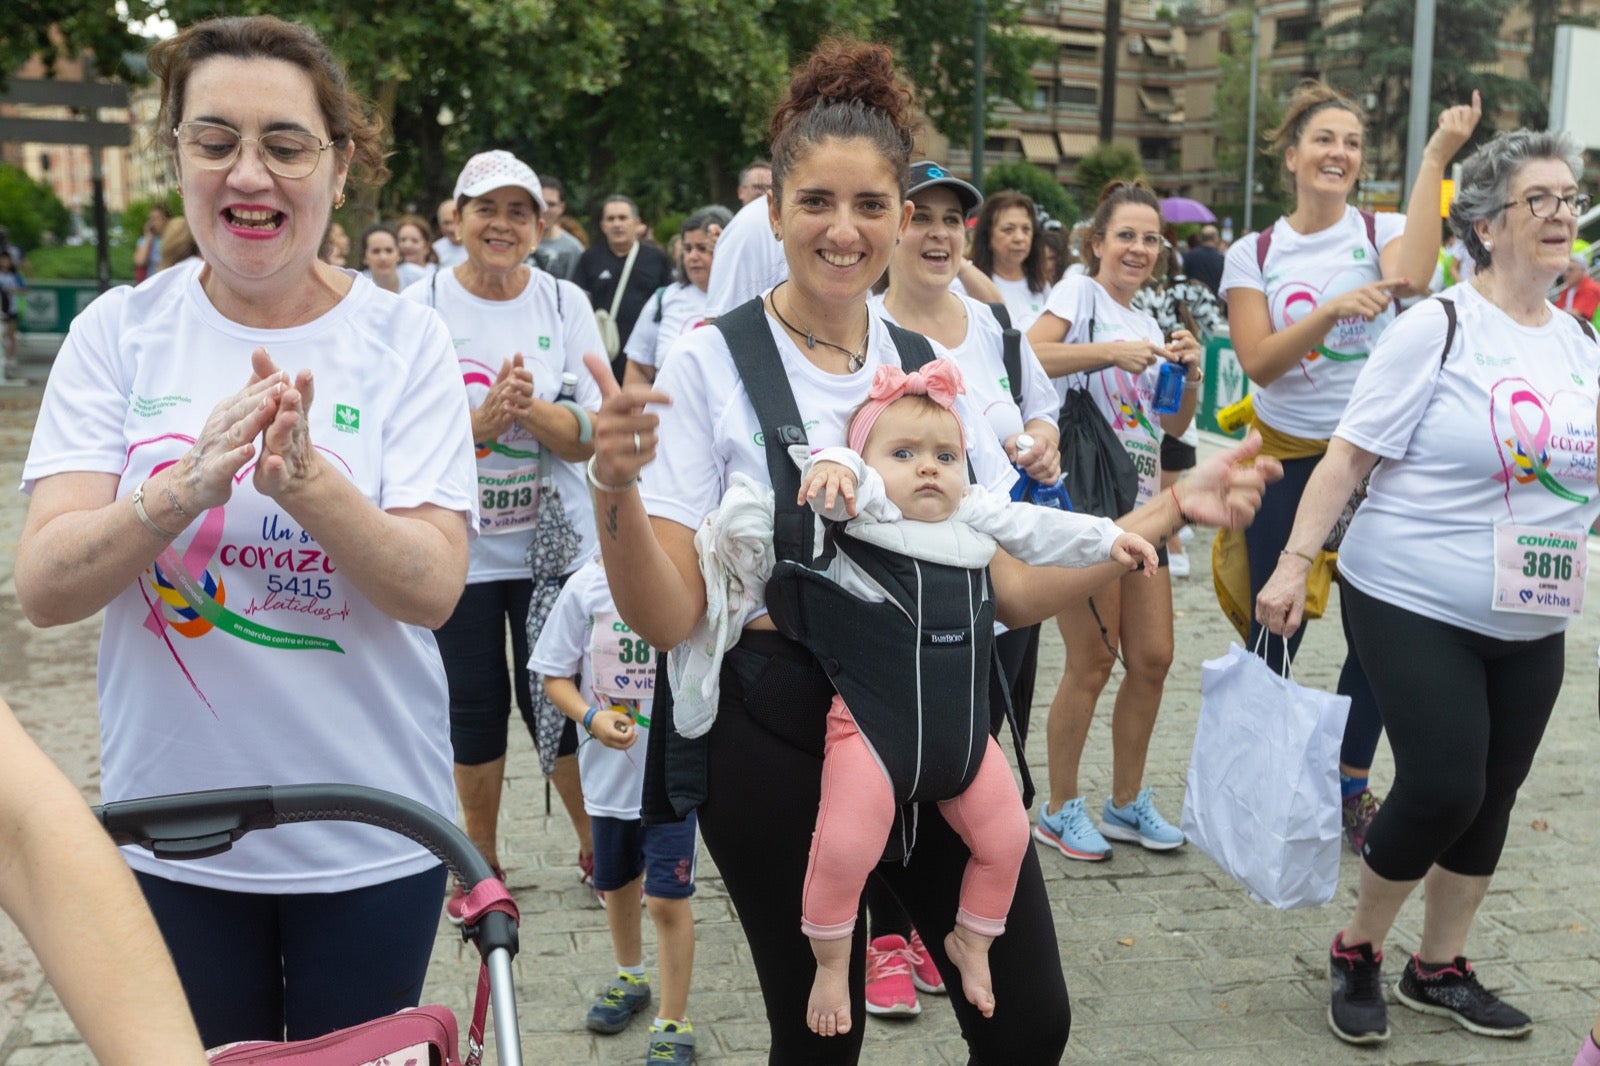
pixel 1070 832
pixel 1140 823
pixel 623 998
pixel 671 1043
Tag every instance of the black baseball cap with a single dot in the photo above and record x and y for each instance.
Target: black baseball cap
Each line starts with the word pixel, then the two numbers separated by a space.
pixel 927 174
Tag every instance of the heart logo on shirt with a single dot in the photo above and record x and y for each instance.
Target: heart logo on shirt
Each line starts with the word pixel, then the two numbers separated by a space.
pixel 1527 595
pixel 622 680
pixel 1351 338
pixel 1543 439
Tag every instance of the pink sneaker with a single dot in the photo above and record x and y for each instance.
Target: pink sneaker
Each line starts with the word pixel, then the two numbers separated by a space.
pixel 924 974
pixel 890 991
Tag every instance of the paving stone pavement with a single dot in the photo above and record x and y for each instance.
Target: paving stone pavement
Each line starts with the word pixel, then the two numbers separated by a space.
pixel 1167 960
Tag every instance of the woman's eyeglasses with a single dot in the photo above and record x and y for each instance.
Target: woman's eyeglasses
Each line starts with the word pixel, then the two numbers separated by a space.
pixel 284 152
pixel 1546 204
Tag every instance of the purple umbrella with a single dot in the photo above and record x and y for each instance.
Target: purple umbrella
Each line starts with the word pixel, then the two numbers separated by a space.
pixel 1183 209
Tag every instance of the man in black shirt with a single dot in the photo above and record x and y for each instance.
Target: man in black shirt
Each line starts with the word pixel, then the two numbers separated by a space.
pixel 602 265
pixel 1203 262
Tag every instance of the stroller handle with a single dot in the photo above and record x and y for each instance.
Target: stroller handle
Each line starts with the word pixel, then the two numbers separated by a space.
pixel 193 825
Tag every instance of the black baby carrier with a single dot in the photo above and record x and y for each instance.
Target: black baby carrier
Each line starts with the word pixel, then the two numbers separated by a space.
pixel 914 669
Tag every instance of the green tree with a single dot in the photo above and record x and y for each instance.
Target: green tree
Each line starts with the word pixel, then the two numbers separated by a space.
pixel 1372 58
pixel 1231 105
pixel 1107 163
pixel 53 29
pixel 1035 182
pixel 29 209
pixel 1544 17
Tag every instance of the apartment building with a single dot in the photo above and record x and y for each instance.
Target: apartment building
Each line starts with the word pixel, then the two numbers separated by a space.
pixel 1167 75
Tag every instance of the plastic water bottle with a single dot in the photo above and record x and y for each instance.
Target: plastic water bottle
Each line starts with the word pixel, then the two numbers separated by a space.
pixel 1026 485
pixel 569 386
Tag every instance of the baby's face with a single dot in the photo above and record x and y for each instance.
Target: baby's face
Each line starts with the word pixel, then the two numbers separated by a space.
pixel 916 449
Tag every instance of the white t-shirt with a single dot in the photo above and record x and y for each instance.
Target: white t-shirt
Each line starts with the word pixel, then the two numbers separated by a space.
pixel 582 633
pixel 981 357
pixel 682 308
pixel 487 332
pixel 1122 397
pixel 748 260
pixel 710 431
pixel 1303 270
pixel 1024 304
pixel 411 273
pixel 449 252
pixel 1450 440
pixel 299 678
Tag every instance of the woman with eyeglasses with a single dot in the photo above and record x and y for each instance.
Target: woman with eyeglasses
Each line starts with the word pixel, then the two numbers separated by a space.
pixel 1461 569
pixel 261 470
pixel 1307 299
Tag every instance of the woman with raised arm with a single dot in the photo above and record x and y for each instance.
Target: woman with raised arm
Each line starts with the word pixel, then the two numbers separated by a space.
pixel 1307 299
pixel 840 147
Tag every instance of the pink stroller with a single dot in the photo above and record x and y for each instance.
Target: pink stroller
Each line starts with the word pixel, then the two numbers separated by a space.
pixel 196 824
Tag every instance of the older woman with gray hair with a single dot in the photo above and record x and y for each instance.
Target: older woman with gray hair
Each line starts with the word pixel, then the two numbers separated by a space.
pixel 1461 570
pixel 680 307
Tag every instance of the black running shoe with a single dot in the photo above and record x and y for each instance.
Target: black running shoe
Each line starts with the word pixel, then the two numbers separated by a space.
pixel 1357 1013
pixel 1453 991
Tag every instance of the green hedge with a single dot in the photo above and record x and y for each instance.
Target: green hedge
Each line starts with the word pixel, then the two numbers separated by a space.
pixel 67 262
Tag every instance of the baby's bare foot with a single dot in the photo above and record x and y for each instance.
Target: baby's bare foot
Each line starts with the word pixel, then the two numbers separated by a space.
pixel 828 1010
pixel 970 953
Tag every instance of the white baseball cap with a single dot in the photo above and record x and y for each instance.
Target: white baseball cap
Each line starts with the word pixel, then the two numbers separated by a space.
pixel 498 169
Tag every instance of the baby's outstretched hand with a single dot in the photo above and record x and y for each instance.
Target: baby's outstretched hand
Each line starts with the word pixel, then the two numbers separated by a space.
pixel 1130 550
pixel 834 481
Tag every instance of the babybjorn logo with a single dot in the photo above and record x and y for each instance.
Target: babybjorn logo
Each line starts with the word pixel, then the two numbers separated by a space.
pixel 958 636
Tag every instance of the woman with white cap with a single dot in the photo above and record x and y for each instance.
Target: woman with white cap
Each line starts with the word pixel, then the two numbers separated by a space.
pixel 270 546
pixel 516 331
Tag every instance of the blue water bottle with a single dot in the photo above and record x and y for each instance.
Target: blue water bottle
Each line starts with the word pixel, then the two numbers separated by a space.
pixel 1169 388
pixel 1027 487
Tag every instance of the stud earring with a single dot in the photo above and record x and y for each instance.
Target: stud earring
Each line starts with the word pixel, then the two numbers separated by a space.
pixel 1488 246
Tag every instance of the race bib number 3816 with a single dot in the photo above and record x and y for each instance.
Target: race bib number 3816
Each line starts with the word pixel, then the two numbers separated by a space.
pixel 1539 571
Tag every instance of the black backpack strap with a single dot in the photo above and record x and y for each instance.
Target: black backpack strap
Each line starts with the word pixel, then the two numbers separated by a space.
pixel 1449 327
pixel 1010 350
pixel 1588 330
pixel 755 356
pixel 914 349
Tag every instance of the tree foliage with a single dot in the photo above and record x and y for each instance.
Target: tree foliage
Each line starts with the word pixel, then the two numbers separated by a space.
pixel 1231 105
pixel 1374 61
pixel 29 209
pixel 1037 184
pixel 1544 16
pixel 665 99
pixel 1106 163
pixel 53 29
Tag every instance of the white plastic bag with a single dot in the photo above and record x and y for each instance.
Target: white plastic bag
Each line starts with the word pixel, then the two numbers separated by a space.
pixel 1263 793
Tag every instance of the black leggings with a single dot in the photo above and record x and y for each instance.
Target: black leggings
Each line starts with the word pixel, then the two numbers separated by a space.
pixel 473 646
pixel 765 771
pixel 1464 713
pixel 257 967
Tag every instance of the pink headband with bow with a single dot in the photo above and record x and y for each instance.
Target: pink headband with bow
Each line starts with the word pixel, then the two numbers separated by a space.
pixel 939 381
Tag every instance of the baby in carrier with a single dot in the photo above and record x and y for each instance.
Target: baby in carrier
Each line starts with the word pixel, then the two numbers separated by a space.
pixel 905 472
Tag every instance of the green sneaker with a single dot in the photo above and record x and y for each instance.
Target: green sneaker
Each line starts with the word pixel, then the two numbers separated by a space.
pixel 624 997
pixel 672 1042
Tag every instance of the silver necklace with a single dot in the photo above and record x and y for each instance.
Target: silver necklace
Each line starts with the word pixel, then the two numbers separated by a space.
pixel 858 358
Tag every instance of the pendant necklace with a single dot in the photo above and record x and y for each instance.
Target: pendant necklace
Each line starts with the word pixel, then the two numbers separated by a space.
pixel 858 358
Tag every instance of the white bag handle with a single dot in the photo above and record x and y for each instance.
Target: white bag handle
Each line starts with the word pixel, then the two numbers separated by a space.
pixel 1262 646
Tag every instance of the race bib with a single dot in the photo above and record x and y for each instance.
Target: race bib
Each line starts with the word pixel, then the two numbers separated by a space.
pixel 508 500
pixel 1539 571
pixel 624 664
